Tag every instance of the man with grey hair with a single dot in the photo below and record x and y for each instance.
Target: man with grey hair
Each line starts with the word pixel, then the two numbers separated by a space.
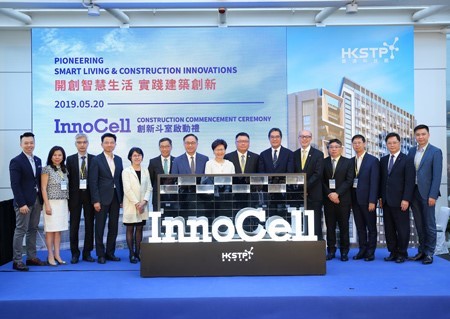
pixel 79 198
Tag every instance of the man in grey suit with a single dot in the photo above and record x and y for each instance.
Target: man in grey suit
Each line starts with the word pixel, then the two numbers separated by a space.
pixel 428 163
pixel 105 180
pixel 161 164
pixel 243 160
pixel 190 162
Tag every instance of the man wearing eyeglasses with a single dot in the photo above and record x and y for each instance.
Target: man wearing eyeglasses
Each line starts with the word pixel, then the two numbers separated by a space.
pixel 338 175
pixel 309 160
pixel 243 160
pixel 190 162
pixel 276 159
pixel 78 166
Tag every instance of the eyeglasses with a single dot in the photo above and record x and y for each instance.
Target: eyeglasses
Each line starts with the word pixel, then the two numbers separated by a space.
pixel 190 143
pixel 275 137
pixel 82 142
pixel 305 136
pixel 242 142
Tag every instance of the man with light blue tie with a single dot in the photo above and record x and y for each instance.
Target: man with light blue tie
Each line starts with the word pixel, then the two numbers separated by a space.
pixel 190 162
pixel 428 163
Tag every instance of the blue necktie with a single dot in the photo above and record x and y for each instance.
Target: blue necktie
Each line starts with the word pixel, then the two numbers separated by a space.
pixel 275 158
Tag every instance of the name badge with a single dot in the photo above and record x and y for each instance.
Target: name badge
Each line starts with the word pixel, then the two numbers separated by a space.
pixel 355 183
pixel 63 185
pixel 83 183
pixel 332 183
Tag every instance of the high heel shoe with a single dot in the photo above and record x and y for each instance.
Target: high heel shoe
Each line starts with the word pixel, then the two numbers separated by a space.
pixel 53 264
pixel 60 262
pixel 137 256
pixel 133 259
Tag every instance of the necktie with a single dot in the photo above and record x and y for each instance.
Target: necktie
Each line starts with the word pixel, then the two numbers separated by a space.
pixel 391 163
pixel 192 165
pixel 333 162
pixel 83 167
pixel 33 165
pixel 166 166
pixel 242 163
pixel 304 155
pixel 275 158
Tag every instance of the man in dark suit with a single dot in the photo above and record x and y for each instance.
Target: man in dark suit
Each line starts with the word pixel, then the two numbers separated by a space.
pixel 161 164
pixel 396 188
pixel 105 182
pixel 428 163
pixel 190 162
pixel 243 160
pixel 309 160
pixel 78 166
pixel 364 198
pixel 276 159
pixel 338 175
pixel 25 175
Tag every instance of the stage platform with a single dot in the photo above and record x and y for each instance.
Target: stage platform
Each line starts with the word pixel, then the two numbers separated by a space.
pixel 353 289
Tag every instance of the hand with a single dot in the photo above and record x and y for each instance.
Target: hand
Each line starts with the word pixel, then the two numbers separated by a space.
pixel 431 201
pixel 404 205
pixel 334 197
pixel 372 207
pixel 97 207
pixel 48 210
pixel 380 202
pixel 24 210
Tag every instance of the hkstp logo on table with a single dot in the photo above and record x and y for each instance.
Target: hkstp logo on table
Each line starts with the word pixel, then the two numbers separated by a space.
pixel 239 256
pixel 381 54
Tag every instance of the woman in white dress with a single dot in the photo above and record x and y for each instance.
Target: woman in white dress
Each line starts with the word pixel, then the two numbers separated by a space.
pixel 55 192
pixel 137 190
pixel 219 165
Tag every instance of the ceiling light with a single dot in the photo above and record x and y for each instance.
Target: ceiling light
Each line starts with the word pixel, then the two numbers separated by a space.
pixel 93 10
pixel 351 7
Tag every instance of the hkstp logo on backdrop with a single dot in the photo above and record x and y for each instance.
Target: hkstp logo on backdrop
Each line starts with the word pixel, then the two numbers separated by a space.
pixel 382 54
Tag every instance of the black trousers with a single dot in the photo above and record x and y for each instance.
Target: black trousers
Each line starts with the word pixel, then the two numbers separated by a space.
pixel 337 214
pixel 366 227
pixel 110 212
pixel 316 206
pixel 396 228
pixel 75 208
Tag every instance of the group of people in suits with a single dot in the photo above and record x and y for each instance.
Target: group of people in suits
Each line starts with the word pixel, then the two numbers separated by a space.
pixel 99 186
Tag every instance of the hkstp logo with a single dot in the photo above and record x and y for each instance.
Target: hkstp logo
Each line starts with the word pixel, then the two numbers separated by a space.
pixel 239 256
pixel 370 55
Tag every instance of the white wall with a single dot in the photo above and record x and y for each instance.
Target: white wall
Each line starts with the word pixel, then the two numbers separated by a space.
pixel 15 95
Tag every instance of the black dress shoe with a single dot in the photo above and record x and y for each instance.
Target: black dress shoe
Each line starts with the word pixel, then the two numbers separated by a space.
pixel 330 256
pixel 369 258
pixel 20 266
pixel 417 257
pixel 400 259
pixel 359 255
pixel 101 260
pixel 112 258
pixel 74 260
pixel 344 257
pixel 391 257
pixel 133 259
pixel 427 260
pixel 35 262
pixel 88 258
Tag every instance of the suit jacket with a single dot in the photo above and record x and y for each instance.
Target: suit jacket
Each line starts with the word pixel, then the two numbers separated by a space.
pixel 368 180
pixel 429 173
pixel 314 172
pixel 344 175
pixel 23 181
pixel 155 168
pixel 73 167
pixel 251 162
pixel 102 182
pixel 181 164
pixel 399 184
pixel 285 162
pixel 134 192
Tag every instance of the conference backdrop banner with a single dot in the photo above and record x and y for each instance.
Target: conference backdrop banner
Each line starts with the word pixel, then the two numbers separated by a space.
pixel 145 84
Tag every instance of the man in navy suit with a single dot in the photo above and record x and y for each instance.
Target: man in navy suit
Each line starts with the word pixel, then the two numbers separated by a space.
pixel 161 164
pixel 25 175
pixel 309 160
pixel 78 166
pixel 243 160
pixel 105 180
pixel 276 159
pixel 190 162
pixel 364 198
pixel 396 188
pixel 428 163
pixel 338 175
